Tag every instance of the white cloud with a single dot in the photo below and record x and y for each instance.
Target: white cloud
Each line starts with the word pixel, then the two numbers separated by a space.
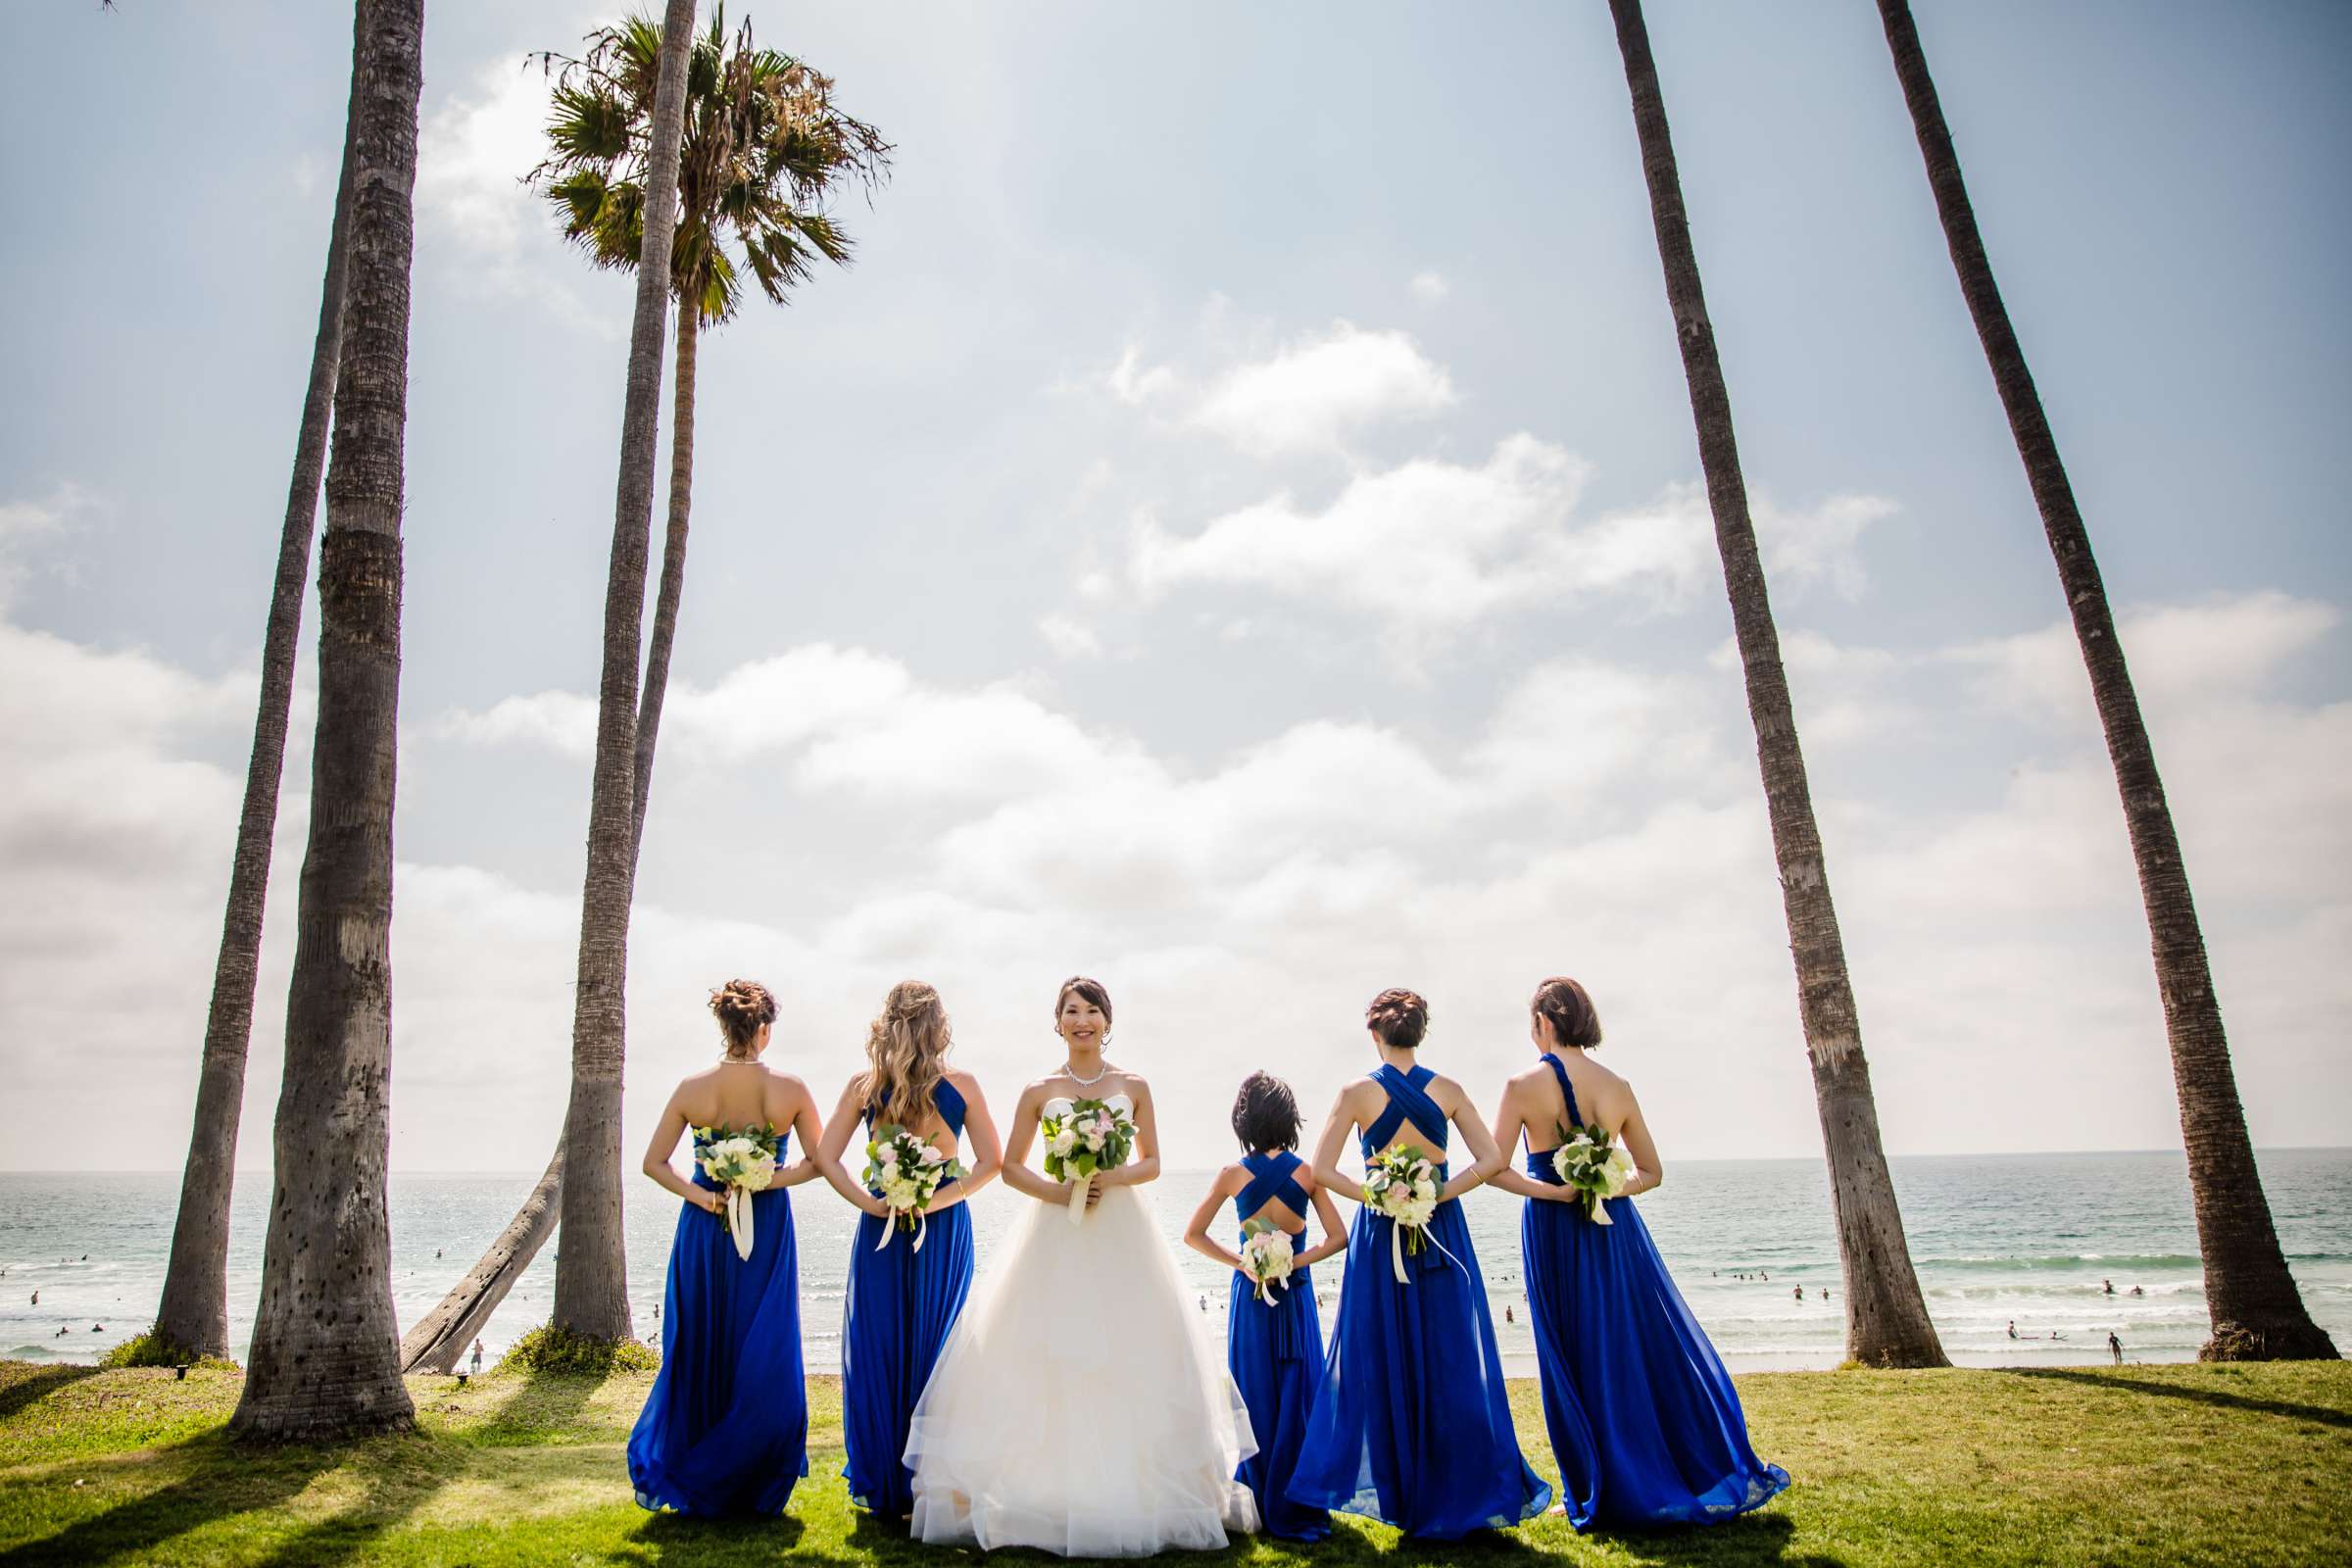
pixel 1132 383
pixel 1430 287
pixel 1317 391
pixel 1069 638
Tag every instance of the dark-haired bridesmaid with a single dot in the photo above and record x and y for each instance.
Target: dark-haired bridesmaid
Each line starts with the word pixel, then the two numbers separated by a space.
pixel 726 1428
pixel 900 1302
pixel 1412 1424
pixel 1642 1415
pixel 1274 1345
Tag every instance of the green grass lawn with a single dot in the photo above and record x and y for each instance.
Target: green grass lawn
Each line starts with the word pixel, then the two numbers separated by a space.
pixel 2208 1465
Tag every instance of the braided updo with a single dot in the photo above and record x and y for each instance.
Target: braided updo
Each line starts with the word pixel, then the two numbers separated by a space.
pixel 742 1006
pixel 1401 1017
pixel 1574 1018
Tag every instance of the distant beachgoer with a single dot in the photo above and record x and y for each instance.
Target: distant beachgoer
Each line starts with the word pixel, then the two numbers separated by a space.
pixel 1767 1277
pixel 36 1297
pixel 2106 1287
pixel 1508 1316
pixel 436 1251
pixel 1825 1293
pixel 2013 1328
pixel 2137 1291
pixel 2115 1348
pixel 477 1355
pixel 1800 1293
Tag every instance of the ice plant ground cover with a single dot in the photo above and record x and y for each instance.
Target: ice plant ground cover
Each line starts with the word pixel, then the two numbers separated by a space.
pixel 2142 1465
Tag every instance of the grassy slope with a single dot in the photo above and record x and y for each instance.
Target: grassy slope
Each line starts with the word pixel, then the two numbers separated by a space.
pixel 2156 1465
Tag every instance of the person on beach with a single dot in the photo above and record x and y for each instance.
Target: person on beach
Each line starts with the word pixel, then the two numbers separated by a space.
pixel 478 1357
pixel 1274 1342
pixel 1643 1417
pixel 2106 1287
pixel 900 1303
pixel 2115 1348
pixel 1412 1423
pixel 724 1431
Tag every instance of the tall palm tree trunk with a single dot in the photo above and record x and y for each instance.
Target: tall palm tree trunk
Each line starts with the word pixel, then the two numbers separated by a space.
pixel 592 1266
pixel 2256 1310
pixel 441 1335
pixel 194 1316
pixel 1886 1318
pixel 674 564
pixel 325 1343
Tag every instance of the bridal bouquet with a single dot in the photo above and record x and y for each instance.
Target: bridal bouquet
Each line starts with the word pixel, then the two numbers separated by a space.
pixel 1266 1258
pixel 742 1163
pixel 1595 1166
pixel 1083 1137
pixel 907 1172
pixel 1402 1185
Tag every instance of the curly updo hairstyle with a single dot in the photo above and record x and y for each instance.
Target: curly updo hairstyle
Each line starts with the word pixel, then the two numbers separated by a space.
pixel 1399 1017
pixel 1574 1019
pixel 905 1052
pixel 1092 990
pixel 741 1007
pixel 1265 1113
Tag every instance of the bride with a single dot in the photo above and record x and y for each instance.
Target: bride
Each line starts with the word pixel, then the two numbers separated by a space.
pixel 1077 1407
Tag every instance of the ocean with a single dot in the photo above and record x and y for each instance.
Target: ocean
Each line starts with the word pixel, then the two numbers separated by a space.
pixel 2029 1240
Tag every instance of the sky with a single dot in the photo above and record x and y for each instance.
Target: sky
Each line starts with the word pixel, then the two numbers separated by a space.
pixel 1234 531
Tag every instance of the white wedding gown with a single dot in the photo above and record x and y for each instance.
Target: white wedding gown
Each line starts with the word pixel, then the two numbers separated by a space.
pixel 1078 1407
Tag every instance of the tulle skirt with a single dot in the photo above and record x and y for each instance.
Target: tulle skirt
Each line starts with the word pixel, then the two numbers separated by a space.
pixel 895 1319
pixel 725 1429
pixel 1643 1417
pixel 1412 1423
pixel 1078 1407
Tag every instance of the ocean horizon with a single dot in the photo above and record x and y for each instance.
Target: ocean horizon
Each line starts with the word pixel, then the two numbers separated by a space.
pixel 2030 1240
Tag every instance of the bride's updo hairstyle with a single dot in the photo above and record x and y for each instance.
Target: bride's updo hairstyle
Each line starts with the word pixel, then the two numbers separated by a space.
pixel 742 1006
pixel 1399 1017
pixel 905 1051
pixel 1090 989
pixel 1574 1019
pixel 1265 1114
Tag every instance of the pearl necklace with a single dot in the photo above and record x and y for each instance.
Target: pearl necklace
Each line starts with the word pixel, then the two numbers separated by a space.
pixel 1071 1073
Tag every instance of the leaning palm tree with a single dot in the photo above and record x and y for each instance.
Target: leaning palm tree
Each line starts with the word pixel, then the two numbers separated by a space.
pixel 2256 1311
pixel 192 1318
pixel 764 151
pixel 1885 1317
pixel 325 1343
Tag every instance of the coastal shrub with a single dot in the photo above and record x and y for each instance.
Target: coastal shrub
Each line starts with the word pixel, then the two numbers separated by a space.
pixel 151 1348
pixel 549 1349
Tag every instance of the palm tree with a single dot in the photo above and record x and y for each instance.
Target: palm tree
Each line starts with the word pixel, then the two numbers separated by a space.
pixel 763 151
pixel 592 1270
pixel 192 1318
pixel 2256 1310
pixel 324 1356
pixel 1885 1317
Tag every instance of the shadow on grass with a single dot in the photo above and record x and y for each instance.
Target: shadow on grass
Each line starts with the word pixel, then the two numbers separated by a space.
pixel 223 1481
pixel 677 1537
pixel 395 1490
pixel 39 1385
pixel 543 1405
pixel 2221 1399
pixel 1751 1541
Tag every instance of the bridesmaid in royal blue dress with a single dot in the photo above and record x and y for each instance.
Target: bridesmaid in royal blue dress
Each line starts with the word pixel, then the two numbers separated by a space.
pixel 1274 1349
pixel 900 1302
pixel 726 1428
pixel 1643 1419
pixel 1412 1424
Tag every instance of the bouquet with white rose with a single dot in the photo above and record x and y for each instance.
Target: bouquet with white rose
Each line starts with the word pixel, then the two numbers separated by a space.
pixel 741 1161
pixel 1401 1185
pixel 1591 1161
pixel 1267 1258
pixel 907 1172
pixel 1083 1137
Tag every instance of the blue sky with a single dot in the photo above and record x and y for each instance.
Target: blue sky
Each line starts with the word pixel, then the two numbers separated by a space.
pixel 1234 531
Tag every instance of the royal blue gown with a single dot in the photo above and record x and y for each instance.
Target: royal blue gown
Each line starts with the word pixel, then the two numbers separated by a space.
pixel 1412 1424
pixel 1275 1353
pixel 1643 1419
pixel 725 1429
pixel 895 1316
